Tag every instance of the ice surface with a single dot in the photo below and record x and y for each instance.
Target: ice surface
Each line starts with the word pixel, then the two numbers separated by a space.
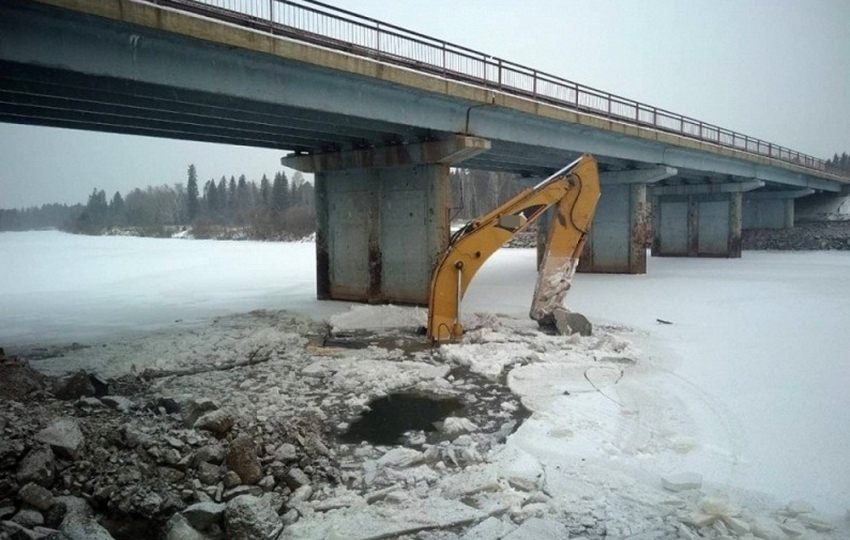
pixel 747 387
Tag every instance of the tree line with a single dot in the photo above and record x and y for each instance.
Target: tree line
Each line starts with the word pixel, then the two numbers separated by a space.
pixel 841 162
pixel 273 209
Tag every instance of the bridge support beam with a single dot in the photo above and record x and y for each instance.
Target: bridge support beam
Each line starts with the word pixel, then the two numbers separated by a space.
pixel 771 209
pixel 382 217
pixel 699 220
pixel 617 240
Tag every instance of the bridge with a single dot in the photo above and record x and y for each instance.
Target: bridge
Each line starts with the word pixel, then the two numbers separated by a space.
pixel 380 114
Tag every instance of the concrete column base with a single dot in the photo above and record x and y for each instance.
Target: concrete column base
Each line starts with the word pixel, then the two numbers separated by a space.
pixel 698 226
pixel 618 239
pixel 699 220
pixel 380 232
pixel 382 218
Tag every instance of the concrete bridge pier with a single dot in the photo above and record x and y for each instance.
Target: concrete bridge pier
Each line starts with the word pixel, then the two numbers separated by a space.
pixel 382 217
pixel 771 209
pixel 617 240
pixel 699 220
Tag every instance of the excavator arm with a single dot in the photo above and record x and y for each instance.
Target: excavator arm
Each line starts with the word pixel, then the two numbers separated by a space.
pixel 574 191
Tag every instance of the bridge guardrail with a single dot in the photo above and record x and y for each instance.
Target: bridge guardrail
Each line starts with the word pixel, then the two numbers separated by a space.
pixel 318 23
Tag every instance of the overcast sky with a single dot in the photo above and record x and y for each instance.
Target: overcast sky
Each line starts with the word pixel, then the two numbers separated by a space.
pixel 774 69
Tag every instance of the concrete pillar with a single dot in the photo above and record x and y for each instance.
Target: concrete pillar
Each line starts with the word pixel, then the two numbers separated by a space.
pixel 382 218
pixel 771 209
pixel 699 220
pixel 617 240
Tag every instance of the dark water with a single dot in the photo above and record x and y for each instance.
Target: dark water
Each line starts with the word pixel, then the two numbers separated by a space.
pixel 390 416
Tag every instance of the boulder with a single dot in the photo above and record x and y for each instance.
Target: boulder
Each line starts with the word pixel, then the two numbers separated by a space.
pixel 208 473
pixel 211 453
pixel 119 403
pixel 64 437
pixel 78 523
pixel 242 459
pixel 217 422
pixel 296 478
pixel 247 518
pixel 38 466
pixel 29 518
pixel 100 385
pixel 194 409
pixel 36 496
pixel 73 386
pixel 202 516
pixel 285 452
pixel 569 322
pixel 178 528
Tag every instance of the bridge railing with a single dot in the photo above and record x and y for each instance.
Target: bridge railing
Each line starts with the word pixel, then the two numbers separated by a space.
pixel 328 26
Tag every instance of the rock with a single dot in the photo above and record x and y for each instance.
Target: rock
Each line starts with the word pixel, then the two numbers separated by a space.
pixel 267 483
pixel 73 386
pixel 169 475
pixel 16 531
pixel 248 518
pixel 217 422
pixel 212 453
pixel 6 512
pixel 100 385
pixel 134 438
pixel 285 452
pixel 149 505
pixel 119 403
pixel 178 528
pixel 64 437
pixel 231 479
pixel 401 458
pixel 681 481
pixel 296 478
pixel 241 490
pixel 36 496
pixel 174 404
pixel 208 473
pixel 242 459
pixel 88 403
pixel 568 322
pixel 78 523
pixel 194 409
pixel 202 516
pixel 29 518
pixel 10 451
pixel 39 466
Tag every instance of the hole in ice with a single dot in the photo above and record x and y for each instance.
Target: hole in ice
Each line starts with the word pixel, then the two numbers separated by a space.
pixel 390 416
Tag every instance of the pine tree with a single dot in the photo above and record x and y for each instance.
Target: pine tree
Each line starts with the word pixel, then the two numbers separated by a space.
pixel 222 196
pixel 280 193
pixel 265 189
pixel 192 204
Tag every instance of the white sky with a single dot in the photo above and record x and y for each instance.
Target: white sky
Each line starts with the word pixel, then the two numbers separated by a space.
pixel 775 70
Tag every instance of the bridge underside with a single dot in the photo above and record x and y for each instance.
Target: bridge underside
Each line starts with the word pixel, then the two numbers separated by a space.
pixel 143 70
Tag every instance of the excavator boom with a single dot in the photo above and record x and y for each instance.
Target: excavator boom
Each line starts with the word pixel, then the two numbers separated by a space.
pixel 573 191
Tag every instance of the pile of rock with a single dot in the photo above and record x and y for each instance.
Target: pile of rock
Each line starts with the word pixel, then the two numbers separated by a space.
pixel 830 235
pixel 77 462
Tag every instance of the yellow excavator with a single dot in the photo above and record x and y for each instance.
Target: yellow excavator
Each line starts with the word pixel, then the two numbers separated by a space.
pixel 574 192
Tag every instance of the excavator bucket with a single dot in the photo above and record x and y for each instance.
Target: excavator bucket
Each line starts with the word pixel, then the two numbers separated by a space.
pixel 573 191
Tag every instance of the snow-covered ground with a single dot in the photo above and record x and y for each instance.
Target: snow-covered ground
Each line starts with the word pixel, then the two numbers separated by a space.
pixel 746 386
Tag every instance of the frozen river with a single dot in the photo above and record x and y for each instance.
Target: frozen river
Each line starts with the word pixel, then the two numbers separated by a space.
pixel 758 353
